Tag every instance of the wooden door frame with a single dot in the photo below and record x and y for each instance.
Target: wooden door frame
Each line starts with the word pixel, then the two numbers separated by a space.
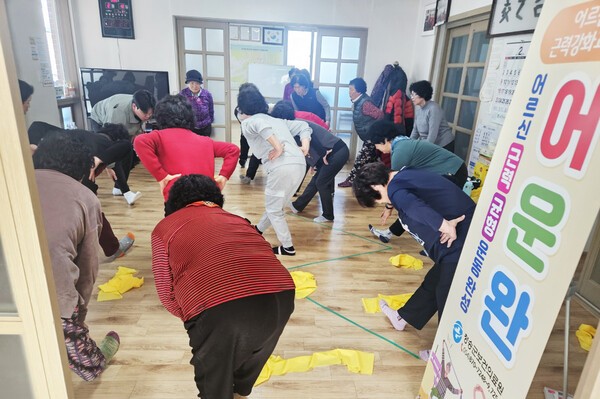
pixel 37 321
pixel 180 24
pixel 361 33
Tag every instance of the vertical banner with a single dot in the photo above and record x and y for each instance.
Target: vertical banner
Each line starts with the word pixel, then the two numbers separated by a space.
pixel 540 200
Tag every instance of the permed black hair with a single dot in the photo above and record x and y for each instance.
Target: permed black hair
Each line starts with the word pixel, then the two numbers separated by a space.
pixel 115 131
pixel 359 85
pixel 423 89
pixel 174 111
pixel 381 130
pixel 283 110
pixel 191 188
pixel 65 154
pixel 250 101
pixel 371 174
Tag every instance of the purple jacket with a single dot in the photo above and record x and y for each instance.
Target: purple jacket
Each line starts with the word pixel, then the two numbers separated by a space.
pixel 202 106
pixel 287 92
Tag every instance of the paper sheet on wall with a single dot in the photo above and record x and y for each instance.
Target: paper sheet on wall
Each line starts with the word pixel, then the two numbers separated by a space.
pixel 484 134
pixel 244 54
pixel 506 82
pixel 488 87
pixel 39 52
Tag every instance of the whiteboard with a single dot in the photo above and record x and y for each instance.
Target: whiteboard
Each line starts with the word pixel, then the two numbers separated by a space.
pixel 270 79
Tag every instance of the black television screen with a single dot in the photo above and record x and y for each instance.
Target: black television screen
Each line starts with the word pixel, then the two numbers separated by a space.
pixel 99 83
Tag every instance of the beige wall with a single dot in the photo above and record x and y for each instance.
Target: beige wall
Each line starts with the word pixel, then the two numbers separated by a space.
pixel 392 29
pixel 25 22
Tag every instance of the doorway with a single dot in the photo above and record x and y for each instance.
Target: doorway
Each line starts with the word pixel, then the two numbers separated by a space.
pixel 463 72
pixel 334 56
pixel 340 57
pixel 204 46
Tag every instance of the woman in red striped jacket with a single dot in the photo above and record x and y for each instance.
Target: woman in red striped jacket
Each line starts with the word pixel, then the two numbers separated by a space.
pixel 215 272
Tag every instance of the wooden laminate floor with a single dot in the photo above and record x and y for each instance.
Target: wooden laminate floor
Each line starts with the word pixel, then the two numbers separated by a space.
pixel 348 263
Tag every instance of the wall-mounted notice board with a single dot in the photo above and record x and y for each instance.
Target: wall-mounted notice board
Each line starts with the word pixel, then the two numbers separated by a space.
pixel 116 19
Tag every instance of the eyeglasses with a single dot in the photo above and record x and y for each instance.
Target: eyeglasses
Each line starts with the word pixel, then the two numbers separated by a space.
pixel 237 112
pixel 413 94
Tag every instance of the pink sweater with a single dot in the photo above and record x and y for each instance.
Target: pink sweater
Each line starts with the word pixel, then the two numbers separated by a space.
pixel 309 116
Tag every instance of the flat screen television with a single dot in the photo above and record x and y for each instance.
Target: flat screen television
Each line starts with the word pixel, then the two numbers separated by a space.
pixel 100 83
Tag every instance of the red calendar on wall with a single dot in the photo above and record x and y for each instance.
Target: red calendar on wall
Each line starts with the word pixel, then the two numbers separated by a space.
pixel 116 19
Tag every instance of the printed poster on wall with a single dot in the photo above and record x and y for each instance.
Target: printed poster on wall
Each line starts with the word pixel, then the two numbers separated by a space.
pixel 533 218
pixel 244 54
pixel 485 135
pixel 510 70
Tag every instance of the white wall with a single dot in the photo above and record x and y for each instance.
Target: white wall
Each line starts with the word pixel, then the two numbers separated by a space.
pixel 422 52
pixel 392 33
pixel 26 21
pixel 423 48
pixel 461 6
pixel 391 25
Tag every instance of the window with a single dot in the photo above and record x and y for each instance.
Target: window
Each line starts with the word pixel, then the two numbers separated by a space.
pixel 300 49
pixel 51 24
pixel 62 61
pixel 463 72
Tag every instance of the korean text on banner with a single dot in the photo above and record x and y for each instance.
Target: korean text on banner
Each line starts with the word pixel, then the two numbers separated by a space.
pixel 533 218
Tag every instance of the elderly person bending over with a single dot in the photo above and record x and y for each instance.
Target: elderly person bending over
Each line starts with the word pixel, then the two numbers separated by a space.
pixel 437 214
pixel 417 154
pixel 220 277
pixel 176 150
pixel 73 220
pixel 364 114
pixel 328 155
pixel 272 140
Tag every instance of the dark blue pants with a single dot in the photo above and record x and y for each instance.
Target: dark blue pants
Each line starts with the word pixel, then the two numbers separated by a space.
pixel 430 297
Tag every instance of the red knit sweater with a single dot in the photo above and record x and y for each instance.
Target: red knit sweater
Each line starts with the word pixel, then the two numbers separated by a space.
pixel 203 256
pixel 173 151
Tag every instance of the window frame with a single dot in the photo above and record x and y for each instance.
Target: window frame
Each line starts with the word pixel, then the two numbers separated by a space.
pixel 60 19
pixel 440 65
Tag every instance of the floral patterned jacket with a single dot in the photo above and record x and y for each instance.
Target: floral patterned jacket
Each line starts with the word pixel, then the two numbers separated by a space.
pixel 202 105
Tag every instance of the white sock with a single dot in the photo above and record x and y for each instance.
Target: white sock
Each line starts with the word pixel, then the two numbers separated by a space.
pixel 398 322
